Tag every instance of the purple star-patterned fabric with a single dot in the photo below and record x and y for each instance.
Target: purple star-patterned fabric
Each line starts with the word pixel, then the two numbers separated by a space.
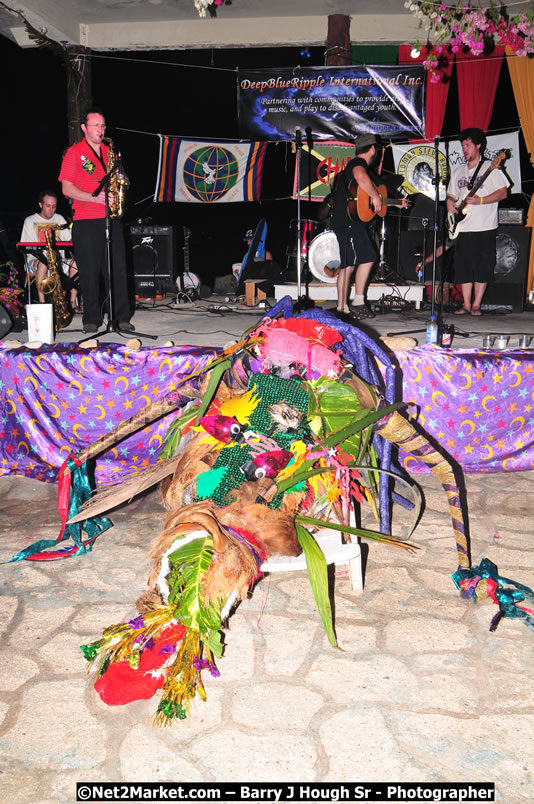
pixel 59 399
pixel 477 405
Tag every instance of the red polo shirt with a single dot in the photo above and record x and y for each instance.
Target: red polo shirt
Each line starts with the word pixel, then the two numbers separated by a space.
pixel 82 167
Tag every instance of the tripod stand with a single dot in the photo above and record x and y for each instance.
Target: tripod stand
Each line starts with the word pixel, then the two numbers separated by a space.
pixel 112 325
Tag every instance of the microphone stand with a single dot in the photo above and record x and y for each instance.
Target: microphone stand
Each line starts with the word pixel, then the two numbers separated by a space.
pixel 303 302
pixel 434 256
pixel 112 325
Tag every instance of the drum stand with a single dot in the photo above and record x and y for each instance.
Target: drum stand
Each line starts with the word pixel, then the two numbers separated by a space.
pixel 384 271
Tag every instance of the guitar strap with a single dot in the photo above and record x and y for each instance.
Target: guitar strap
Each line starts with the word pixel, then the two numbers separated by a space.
pixel 474 176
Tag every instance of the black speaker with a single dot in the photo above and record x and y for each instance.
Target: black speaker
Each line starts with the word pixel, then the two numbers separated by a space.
pixel 153 259
pixel 5 321
pixel 509 286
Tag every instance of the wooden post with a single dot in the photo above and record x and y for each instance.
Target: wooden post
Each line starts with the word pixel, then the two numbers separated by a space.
pixel 338 48
pixel 79 89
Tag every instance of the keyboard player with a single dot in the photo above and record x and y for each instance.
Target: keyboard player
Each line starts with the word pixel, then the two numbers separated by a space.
pixel 32 231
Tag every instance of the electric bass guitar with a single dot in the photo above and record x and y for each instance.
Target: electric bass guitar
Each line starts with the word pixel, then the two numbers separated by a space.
pixel 456 220
pixel 359 206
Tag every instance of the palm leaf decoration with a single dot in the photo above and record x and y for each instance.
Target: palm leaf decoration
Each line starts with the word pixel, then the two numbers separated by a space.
pixel 189 563
pixel 318 575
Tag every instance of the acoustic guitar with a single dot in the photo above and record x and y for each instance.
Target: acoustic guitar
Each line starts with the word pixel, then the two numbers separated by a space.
pixel 456 220
pixel 359 206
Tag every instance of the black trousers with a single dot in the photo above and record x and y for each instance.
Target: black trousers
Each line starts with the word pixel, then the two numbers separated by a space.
pixel 89 240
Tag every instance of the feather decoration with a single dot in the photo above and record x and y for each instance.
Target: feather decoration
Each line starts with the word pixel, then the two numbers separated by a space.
pixel 112 496
pixel 207 482
pixel 241 406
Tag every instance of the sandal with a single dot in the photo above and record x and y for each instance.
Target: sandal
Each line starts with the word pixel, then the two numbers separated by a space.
pixel 462 311
pixel 476 311
pixel 360 311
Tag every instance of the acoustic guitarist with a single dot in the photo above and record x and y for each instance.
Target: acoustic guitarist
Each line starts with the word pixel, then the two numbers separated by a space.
pixel 475 245
pixel 355 247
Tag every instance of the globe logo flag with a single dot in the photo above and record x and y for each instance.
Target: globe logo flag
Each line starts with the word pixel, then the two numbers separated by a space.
pixel 203 171
pixel 210 172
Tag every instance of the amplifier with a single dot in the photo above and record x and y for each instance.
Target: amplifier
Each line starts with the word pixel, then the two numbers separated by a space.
pixel 154 258
pixel 143 230
pixel 148 287
pixel 511 217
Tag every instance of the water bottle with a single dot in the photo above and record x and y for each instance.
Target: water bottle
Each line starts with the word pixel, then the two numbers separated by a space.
pixel 420 272
pixel 432 330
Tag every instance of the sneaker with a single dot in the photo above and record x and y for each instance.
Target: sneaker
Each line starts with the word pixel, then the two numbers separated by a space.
pixel 360 311
pixel 126 326
pixel 90 328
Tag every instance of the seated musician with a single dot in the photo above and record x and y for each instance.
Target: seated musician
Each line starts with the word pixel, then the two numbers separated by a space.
pixel 32 232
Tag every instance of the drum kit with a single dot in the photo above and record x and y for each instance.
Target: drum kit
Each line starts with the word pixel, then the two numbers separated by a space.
pixel 319 251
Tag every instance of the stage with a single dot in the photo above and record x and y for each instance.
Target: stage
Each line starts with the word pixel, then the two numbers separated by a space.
pixel 476 403
pixel 322 291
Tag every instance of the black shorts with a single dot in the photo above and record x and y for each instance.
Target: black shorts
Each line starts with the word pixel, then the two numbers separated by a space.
pixel 355 245
pixel 475 256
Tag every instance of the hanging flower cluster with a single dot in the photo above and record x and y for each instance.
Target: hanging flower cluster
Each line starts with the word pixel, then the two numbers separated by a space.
pixel 202 6
pixel 478 30
pixel 9 288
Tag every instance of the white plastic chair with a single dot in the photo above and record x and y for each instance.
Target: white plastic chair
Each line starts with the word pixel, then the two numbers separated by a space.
pixel 335 552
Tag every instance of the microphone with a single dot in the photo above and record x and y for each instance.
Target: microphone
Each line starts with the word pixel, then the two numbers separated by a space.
pixel 298 137
pixel 309 137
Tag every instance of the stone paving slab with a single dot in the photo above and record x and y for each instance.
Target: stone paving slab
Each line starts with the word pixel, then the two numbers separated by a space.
pixel 420 692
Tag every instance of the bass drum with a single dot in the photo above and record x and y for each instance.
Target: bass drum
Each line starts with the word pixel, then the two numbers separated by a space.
pixel 323 257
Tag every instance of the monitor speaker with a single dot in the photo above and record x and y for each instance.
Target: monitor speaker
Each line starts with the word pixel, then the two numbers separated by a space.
pixel 153 259
pixel 509 286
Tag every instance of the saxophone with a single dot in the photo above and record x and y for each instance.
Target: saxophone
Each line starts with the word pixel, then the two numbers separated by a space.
pixel 118 182
pixel 51 285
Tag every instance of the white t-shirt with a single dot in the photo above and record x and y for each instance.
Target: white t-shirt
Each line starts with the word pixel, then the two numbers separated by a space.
pixel 30 234
pixel 482 217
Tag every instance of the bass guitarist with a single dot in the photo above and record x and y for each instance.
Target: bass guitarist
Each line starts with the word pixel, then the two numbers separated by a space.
pixel 474 252
pixel 355 247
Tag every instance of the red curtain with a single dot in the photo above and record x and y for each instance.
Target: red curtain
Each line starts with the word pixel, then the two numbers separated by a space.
pixel 436 93
pixel 477 83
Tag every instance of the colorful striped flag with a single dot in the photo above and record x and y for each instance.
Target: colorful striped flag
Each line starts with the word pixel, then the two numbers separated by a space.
pixel 206 172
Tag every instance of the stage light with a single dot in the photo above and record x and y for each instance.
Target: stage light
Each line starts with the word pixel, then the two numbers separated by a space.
pixel 415 52
pixel 305 52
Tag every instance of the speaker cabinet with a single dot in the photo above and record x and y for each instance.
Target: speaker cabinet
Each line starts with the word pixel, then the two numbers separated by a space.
pixel 5 321
pixel 509 286
pixel 153 259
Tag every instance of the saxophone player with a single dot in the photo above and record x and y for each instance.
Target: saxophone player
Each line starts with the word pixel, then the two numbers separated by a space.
pixel 32 231
pixel 82 170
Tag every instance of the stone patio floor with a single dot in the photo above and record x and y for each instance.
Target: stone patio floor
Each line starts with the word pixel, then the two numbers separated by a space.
pixel 421 690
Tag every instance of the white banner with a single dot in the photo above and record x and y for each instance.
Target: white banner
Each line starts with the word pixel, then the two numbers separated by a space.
pixel 416 163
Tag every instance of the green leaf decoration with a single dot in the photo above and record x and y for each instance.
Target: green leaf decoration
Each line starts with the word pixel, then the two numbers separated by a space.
pixel 318 575
pixel 217 372
pixel 337 439
pixel 191 562
pixel 373 535
pixel 173 435
pixel 207 482
pixel 338 406
pixel 214 642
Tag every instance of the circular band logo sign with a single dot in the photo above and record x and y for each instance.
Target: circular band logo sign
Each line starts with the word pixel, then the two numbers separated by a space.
pixel 210 172
pixel 417 166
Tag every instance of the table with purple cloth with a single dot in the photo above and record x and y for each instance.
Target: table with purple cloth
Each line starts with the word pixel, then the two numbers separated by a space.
pixel 478 405
pixel 60 398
